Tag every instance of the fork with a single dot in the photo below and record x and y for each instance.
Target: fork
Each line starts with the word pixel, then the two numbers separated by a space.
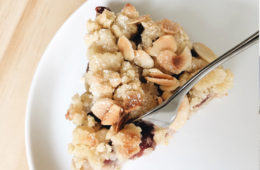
pixel 164 114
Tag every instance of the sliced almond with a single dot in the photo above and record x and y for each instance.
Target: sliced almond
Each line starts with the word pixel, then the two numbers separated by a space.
pixel 161 76
pixel 139 19
pixel 158 66
pixel 156 76
pixel 106 19
pixel 119 125
pixel 170 88
pixel 164 82
pixel 169 27
pixel 166 95
pixel 175 63
pixel 156 73
pixel 147 72
pixel 204 52
pixel 143 60
pixel 107 111
pixel 112 116
pixel 101 106
pixel 182 61
pixel 165 42
pixel 165 60
pixel 126 48
pixel 130 11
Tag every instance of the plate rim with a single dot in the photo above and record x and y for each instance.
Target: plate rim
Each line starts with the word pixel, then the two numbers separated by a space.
pixel 28 113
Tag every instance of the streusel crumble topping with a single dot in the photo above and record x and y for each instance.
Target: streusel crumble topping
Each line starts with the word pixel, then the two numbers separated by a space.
pixel 135 64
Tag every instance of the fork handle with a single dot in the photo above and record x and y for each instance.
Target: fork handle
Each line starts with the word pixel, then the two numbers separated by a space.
pixel 220 60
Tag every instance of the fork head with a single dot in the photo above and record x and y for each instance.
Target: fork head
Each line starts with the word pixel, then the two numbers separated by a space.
pixel 164 114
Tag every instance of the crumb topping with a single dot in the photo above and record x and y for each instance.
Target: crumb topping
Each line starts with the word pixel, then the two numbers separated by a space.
pixel 134 65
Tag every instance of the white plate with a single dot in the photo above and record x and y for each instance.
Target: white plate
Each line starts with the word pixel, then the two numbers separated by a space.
pixel 223 135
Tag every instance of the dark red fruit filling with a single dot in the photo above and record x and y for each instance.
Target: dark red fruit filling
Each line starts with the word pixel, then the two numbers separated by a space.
pixel 108 162
pixel 202 102
pixel 147 137
pixel 137 38
pixel 194 53
pixel 100 9
pixel 87 68
pixel 94 116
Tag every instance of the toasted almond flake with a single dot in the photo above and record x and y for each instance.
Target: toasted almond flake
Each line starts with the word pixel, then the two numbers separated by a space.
pixel 204 52
pixel 156 73
pixel 107 111
pixel 175 63
pixel 166 95
pixel 126 48
pixel 169 27
pixel 164 82
pixel 170 88
pixel 101 106
pixel 182 61
pixel 120 124
pixel 143 60
pixel 139 19
pixel 147 72
pixel 112 116
pixel 161 76
pixel 106 19
pixel 165 42
pixel 130 11
pixel 165 60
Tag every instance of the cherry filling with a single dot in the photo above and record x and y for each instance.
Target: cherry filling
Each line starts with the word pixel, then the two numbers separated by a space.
pixel 87 68
pixel 137 38
pixel 203 101
pixel 194 53
pixel 100 9
pixel 108 162
pixel 147 137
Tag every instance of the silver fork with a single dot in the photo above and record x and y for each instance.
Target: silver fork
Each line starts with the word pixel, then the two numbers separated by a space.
pixel 164 114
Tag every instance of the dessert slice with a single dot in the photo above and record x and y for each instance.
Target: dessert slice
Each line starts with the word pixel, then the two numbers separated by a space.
pixel 134 65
